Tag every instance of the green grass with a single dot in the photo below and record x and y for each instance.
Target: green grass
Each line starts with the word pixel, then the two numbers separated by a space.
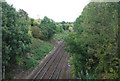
pixel 39 49
pixel 30 62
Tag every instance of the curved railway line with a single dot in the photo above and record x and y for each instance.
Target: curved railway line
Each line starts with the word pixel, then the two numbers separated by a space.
pixel 54 66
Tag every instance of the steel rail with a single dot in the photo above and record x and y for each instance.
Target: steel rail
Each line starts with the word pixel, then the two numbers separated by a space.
pixel 57 50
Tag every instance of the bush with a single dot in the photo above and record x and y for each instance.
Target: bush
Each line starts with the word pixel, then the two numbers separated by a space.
pixel 36 33
pixel 9 75
pixel 30 62
pixel 40 48
pixel 60 36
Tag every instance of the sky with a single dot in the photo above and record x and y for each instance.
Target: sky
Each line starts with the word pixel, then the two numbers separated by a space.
pixel 58 10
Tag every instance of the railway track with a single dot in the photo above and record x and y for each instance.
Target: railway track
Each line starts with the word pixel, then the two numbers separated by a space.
pixel 53 66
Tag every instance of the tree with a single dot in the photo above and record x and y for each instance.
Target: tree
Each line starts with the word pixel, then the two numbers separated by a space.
pixel 23 13
pixel 35 22
pixel 36 32
pixel 15 37
pixel 59 28
pixel 93 45
pixel 48 28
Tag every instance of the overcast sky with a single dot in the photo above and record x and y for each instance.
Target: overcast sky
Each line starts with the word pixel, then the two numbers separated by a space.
pixel 58 10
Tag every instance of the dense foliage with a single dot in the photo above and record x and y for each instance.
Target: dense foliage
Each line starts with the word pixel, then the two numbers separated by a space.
pixel 15 37
pixel 93 45
pixel 40 49
pixel 21 44
pixel 36 33
pixel 93 42
pixel 48 28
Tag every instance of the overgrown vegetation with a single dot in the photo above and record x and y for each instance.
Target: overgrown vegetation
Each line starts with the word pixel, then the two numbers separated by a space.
pixel 25 40
pixel 48 28
pixel 93 46
pixel 29 62
pixel 92 41
pixel 60 36
pixel 16 39
pixel 62 30
pixel 40 49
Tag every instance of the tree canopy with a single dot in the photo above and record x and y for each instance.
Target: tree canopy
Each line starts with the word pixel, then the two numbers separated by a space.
pixel 48 28
pixel 93 45
pixel 15 37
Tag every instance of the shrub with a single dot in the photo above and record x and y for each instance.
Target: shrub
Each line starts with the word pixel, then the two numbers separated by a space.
pixel 30 62
pixel 36 33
